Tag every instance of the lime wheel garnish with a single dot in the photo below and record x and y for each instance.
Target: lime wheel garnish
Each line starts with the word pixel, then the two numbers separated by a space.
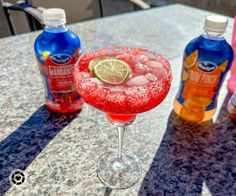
pixel 96 61
pixel 110 70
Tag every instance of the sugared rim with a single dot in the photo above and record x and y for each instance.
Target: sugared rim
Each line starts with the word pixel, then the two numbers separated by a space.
pixel 107 51
pixel 97 52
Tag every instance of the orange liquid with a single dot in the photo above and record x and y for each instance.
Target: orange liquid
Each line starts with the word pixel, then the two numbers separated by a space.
pixel 193 112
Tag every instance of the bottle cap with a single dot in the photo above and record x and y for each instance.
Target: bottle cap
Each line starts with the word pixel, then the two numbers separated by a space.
pixel 54 16
pixel 216 24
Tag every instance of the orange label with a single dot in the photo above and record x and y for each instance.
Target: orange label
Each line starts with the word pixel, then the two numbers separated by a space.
pixel 201 84
pixel 201 80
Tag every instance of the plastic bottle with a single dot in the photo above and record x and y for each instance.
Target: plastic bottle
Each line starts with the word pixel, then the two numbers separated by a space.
pixel 231 106
pixel 206 61
pixel 57 49
pixel 232 81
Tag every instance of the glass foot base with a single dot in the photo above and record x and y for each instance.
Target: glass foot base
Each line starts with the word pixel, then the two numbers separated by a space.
pixel 118 174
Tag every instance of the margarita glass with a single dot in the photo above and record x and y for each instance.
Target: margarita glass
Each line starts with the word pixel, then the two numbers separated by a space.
pixel 122 82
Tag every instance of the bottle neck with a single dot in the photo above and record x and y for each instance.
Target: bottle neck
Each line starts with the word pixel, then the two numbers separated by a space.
pixel 213 35
pixel 55 28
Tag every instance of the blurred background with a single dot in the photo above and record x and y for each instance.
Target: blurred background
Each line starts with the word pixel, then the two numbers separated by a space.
pixel 15 18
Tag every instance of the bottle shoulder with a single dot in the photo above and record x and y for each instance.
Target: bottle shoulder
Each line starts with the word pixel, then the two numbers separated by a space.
pixel 50 35
pixel 55 42
pixel 211 45
pixel 209 50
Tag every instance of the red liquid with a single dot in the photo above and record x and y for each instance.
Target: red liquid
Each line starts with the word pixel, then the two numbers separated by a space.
pixel 64 108
pixel 121 118
pixel 146 88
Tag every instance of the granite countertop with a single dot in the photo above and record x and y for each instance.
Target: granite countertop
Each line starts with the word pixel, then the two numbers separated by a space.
pixel 59 153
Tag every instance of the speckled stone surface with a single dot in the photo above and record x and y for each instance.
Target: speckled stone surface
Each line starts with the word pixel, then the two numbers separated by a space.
pixel 59 153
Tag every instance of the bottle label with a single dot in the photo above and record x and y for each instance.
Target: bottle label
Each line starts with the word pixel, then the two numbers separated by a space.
pixel 200 81
pixel 57 74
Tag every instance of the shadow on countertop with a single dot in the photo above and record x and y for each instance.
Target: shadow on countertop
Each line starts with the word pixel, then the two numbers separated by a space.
pixel 191 154
pixel 20 148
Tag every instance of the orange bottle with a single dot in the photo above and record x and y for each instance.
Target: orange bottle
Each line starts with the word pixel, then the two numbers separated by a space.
pixel 206 61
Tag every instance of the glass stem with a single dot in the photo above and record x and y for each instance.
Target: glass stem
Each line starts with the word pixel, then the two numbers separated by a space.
pixel 121 130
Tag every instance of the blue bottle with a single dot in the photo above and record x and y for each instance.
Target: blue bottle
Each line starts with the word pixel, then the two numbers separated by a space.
pixel 57 50
pixel 207 59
